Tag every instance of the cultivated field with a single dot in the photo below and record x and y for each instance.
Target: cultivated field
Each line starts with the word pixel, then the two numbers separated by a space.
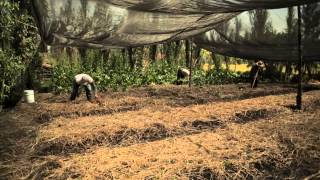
pixel 165 132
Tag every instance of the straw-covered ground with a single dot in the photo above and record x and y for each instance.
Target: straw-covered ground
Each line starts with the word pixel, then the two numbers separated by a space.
pixel 165 132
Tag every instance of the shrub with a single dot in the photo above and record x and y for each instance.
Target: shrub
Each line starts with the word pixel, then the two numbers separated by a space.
pixel 18 51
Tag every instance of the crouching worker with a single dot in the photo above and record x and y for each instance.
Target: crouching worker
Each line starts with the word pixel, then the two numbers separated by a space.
pixel 182 74
pixel 89 86
pixel 255 72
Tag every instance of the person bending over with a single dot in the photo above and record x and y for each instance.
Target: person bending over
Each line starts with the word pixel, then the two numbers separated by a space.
pixel 89 86
pixel 182 74
pixel 255 72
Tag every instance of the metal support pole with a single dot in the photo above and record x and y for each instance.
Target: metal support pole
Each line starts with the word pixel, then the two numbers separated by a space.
pixel 190 63
pixel 299 92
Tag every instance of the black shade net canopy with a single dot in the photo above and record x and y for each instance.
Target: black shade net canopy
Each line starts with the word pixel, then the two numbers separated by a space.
pixel 270 35
pixel 241 28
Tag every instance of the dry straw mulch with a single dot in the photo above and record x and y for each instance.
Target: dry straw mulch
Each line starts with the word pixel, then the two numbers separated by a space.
pixel 164 132
pixel 286 146
pixel 158 121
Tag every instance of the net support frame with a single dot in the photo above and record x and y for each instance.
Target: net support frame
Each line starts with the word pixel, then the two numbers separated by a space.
pixel 300 59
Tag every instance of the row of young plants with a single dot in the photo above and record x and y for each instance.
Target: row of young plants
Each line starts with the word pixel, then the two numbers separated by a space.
pixel 123 78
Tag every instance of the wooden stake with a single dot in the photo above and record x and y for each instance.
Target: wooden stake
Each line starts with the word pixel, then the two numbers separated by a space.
pixel 190 63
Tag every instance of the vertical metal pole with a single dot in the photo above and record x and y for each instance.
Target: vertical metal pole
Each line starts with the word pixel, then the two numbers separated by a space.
pixel 190 63
pixel 299 92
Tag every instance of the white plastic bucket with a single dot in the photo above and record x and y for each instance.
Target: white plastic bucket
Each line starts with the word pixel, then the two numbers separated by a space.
pixel 29 96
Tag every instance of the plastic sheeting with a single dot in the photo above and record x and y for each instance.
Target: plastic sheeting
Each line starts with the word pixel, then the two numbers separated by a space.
pixel 131 23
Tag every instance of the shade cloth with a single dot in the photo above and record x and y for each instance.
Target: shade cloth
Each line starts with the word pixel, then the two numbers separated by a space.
pixel 132 23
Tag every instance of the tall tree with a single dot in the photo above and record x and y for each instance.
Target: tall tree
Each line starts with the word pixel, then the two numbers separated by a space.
pixel 197 55
pixel 188 48
pixel 131 58
pixel 238 28
pixel 291 23
pixel 53 10
pixel 84 8
pixel 153 53
pixel 177 49
pixel 291 34
pixel 168 49
pixel 258 19
pixel 262 32
pixel 311 32
pixel 223 29
pixel 216 61
pixel 311 20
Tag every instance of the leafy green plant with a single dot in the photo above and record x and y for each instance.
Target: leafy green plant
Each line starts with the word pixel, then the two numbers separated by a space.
pixel 18 48
pixel 10 65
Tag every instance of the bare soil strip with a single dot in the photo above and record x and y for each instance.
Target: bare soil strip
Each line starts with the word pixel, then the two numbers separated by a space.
pixel 172 96
pixel 49 116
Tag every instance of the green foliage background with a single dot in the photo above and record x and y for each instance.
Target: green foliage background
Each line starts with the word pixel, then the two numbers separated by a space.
pixel 18 50
pixel 118 75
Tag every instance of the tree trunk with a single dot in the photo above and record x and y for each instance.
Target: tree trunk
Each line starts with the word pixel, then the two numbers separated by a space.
pixel 69 51
pixel 176 51
pixel 308 67
pixel 168 52
pixel 131 59
pixel 226 60
pixel 124 57
pixel 187 43
pixel 82 53
pixel 153 53
pixel 197 53
pixel 96 61
pixel 105 56
pixel 216 62
pixel 138 60
pixel 288 71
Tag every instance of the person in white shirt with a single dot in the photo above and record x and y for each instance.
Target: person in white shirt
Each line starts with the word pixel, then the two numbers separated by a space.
pixel 89 86
pixel 182 73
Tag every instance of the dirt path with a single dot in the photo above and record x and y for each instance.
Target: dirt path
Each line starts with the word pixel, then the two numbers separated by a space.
pixel 18 135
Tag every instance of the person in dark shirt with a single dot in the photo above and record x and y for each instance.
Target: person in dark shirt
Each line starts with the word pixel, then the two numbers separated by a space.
pixel 255 72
